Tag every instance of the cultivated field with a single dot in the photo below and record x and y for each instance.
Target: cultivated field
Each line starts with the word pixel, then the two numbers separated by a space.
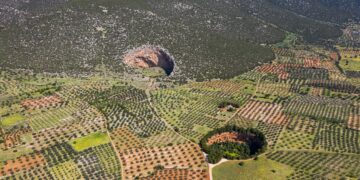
pixel 110 125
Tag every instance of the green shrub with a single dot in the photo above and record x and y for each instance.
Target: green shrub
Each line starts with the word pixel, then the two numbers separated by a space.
pixel 215 156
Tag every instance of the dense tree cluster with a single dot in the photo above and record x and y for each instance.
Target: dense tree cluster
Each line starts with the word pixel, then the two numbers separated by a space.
pixel 254 143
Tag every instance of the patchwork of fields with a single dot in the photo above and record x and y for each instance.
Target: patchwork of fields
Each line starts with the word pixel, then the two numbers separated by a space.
pixel 158 89
pixel 112 126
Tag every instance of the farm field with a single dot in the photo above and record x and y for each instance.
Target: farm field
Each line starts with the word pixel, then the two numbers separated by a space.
pixel 350 64
pixel 262 168
pixel 90 140
pixel 158 90
pixel 12 120
pixel 107 124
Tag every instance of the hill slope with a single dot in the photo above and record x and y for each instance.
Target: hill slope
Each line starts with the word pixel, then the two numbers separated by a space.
pixel 209 39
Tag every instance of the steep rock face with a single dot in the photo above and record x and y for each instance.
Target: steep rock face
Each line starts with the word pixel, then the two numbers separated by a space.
pixel 147 57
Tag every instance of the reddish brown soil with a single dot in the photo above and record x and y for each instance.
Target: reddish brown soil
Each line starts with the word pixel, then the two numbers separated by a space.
pixel 42 102
pixel 334 56
pixel 142 161
pixel 123 139
pixel 13 138
pixel 22 163
pixel 265 112
pixel 354 121
pixel 226 137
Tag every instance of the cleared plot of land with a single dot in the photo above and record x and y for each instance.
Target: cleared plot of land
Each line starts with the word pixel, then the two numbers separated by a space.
pixel 12 120
pixel 262 168
pixel 90 140
pixel 350 65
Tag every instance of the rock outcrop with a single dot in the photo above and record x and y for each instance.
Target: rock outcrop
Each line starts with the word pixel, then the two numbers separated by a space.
pixel 150 56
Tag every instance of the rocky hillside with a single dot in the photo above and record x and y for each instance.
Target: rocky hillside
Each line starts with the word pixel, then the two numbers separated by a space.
pixel 208 38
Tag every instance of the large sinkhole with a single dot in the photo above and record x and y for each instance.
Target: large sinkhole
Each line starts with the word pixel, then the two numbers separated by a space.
pixel 148 57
